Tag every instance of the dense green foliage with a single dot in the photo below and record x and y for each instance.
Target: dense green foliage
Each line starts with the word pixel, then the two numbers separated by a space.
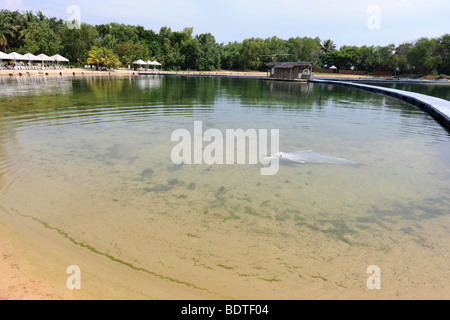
pixel 182 50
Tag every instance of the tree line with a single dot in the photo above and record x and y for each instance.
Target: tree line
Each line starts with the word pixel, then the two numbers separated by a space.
pixel 117 44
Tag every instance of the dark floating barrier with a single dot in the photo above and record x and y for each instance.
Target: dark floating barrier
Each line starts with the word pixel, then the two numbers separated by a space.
pixel 438 108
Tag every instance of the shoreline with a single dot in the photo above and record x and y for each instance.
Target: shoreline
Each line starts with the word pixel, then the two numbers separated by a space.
pixel 122 72
pixel 87 73
pixel 64 73
pixel 80 72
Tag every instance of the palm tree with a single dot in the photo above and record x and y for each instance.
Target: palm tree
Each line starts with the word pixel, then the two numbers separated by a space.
pixel 327 46
pixel 115 61
pixel 11 24
pixel 3 40
pixel 40 16
pixel 8 28
pixel 95 57
pixel 29 25
pixel 103 56
pixel 109 58
pixel 128 59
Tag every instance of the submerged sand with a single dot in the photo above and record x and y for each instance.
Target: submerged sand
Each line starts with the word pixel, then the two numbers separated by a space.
pixel 262 259
pixel 33 262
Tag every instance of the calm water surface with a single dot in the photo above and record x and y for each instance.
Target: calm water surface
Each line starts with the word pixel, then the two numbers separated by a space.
pixel 439 90
pixel 91 159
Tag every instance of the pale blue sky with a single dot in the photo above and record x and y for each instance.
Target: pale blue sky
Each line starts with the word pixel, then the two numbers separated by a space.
pixel 349 22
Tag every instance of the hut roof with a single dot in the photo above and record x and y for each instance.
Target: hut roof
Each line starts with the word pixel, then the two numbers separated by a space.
pixel 288 65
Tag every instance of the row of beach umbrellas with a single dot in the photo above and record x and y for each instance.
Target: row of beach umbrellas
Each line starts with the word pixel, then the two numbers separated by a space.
pixel 32 58
pixel 148 63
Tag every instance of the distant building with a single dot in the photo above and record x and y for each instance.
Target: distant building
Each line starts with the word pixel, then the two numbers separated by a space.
pixel 291 70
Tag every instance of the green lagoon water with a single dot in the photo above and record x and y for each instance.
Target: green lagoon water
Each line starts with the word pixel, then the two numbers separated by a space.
pixel 90 159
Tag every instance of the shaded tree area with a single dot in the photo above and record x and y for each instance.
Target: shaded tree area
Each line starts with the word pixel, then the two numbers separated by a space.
pixel 424 56
pixel 121 44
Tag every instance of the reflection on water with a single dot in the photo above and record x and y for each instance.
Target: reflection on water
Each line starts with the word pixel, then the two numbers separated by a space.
pixel 94 163
pixel 26 86
pixel 149 82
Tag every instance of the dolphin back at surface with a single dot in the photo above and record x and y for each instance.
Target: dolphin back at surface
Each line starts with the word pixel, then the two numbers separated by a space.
pixel 312 158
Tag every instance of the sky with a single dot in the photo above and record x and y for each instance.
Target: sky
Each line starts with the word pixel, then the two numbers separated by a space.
pixel 346 22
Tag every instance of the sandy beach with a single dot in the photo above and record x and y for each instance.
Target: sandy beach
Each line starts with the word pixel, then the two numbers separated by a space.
pixel 24 275
pixel 79 72
pixel 64 72
pixel 18 279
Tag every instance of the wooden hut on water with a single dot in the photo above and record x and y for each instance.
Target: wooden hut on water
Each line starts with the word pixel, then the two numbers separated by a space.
pixel 291 70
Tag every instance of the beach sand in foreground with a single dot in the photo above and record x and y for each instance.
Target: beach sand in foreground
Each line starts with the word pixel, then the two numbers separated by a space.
pixel 34 261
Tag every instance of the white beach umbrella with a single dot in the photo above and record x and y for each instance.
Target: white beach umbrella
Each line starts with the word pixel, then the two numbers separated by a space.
pixel 150 63
pixel 4 56
pixel 140 62
pixel 30 57
pixel 59 58
pixel 17 57
pixel 153 63
pixel 157 64
pixel 43 57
